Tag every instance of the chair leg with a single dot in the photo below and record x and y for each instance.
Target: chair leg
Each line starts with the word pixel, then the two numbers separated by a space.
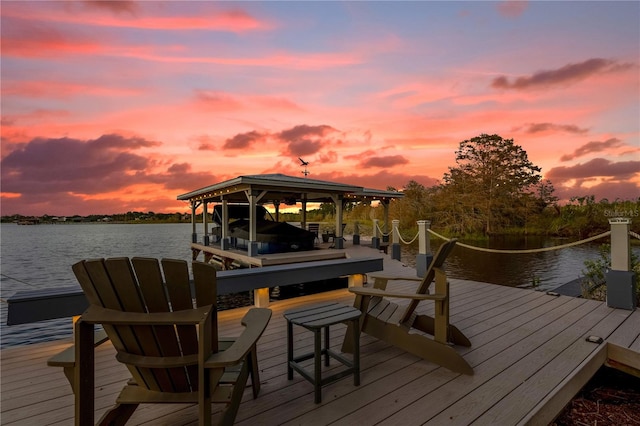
pixel 361 303
pixel 118 415
pixel 252 359
pixel 230 412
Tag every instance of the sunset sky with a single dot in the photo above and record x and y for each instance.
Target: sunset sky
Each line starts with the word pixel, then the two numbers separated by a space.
pixel 116 106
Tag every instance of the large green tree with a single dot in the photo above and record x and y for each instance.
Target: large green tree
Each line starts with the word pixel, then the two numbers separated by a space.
pixel 414 206
pixel 491 185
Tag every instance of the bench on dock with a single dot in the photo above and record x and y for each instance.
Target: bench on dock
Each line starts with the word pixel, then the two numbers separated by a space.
pixel 38 305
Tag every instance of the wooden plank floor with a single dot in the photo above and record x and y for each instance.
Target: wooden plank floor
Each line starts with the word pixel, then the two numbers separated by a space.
pixel 528 351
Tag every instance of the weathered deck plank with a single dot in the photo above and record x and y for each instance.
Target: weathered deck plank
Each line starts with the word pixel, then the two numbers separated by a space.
pixel 528 352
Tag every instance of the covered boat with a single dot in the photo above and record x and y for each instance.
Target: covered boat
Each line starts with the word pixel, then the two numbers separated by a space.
pixel 272 236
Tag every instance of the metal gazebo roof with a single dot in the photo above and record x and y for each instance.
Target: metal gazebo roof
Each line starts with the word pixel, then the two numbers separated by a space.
pixel 284 188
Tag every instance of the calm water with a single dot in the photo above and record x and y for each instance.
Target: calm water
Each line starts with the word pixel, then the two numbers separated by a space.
pixel 548 269
pixel 40 256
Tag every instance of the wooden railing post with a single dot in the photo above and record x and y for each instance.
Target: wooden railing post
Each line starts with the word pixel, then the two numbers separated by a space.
pixel 395 241
pixel 375 240
pixel 194 234
pixel 205 222
pixel 621 281
pixel 424 256
pixel 356 233
pixel 225 242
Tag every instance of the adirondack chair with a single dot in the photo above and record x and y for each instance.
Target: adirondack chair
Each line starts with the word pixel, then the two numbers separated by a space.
pixel 315 228
pixel 170 347
pixel 422 335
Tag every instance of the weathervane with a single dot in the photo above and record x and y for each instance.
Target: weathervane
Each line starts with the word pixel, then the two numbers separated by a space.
pixel 305 164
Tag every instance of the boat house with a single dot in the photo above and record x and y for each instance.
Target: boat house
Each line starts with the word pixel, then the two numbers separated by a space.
pixel 253 191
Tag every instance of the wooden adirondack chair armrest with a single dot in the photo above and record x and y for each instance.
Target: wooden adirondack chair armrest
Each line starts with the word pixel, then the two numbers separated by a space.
pixel 255 322
pixel 394 277
pixel 99 315
pixel 374 292
pixel 67 357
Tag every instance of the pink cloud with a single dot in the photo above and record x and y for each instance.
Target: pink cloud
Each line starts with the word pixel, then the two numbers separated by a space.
pixel 244 140
pixel 552 127
pixel 217 101
pixel 223 101
pixel 610 190
pixel 69 165
pixel 328 157
pixel 593 146
pixel 92 176
pixel 143 15
pixel 380 180
pixel 28 39
pixel 565 75
pixel 303 147
pixel 286 61
pixel 305 131
pixel 35 33
pixel 360 155
pixel 512 8
pixel 384 162
pixel 303 140
pixel 63 89
pixel 237 21
pixel 115 6
pixel 598 167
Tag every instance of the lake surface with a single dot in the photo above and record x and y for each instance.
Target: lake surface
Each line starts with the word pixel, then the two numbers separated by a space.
pixel 40 256
pixel 548 269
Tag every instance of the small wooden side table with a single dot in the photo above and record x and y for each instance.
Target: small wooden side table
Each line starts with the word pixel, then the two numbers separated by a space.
pixel 316 318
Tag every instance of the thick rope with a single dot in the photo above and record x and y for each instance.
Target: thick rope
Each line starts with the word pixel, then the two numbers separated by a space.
pixel 400 236
pixel 540 250
pixel 382 233
pixel 408 242
pixel 634 235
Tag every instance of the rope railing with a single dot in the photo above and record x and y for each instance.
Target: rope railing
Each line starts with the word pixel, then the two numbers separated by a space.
pixel 382 233
pixel 399 236
pixel 408 242
pixel 634 235
pixel 539 250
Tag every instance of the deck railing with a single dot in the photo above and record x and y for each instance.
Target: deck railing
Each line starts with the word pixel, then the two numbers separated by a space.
pixel 620 279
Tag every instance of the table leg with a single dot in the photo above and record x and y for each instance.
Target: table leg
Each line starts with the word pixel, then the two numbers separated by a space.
pixel 326 346
pixel 317 373
pixel 289 350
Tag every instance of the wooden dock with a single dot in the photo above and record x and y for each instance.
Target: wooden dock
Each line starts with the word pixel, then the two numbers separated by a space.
pixel 529 353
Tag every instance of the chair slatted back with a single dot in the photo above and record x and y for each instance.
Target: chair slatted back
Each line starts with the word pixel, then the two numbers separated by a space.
pixel 437 262
pixel 145 285
pixel 314 227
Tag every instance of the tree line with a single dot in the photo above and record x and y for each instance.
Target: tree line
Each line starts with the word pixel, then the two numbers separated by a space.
pixel 495 189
